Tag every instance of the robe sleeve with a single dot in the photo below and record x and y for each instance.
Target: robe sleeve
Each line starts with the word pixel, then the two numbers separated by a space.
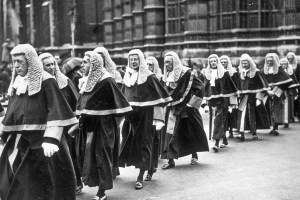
pixel 197 93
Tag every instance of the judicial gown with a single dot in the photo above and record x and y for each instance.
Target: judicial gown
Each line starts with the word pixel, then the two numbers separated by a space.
pixel 98 110
pixel 32 175
pixel 138 130
pixel 184 133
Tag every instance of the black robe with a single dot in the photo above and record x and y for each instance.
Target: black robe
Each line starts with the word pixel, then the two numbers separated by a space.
pixel 278 106
pixel 256 117
pixel 35 176
pixel 218 99
pixel 71 94
pixel 138 130
pixel 99 131
pixel 188 136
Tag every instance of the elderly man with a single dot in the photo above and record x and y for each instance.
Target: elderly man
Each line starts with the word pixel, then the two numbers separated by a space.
pixel 253 88
pixel 291 57
pixel 145 94
pixel 35 163
pixel 99 103
pixel 110 65
pixel 279 81
pixel 69 91
pixel 184 127
pixel 220 92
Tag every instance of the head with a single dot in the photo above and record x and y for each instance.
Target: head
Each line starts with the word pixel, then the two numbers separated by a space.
pixel 20 64
pixel 284 63
pixel 49 63
pixel 269 61
pixel 150 64
pixel 213 62
pixel 291 57
pixel 168 62
pixel 245 64
pixel 224 62
pixel 134 61
pixel 27 63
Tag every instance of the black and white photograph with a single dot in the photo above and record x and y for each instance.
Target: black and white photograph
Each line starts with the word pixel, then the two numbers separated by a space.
pixel 149 99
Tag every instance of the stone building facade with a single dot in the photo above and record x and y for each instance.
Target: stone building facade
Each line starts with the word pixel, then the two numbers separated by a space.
pixel 193 28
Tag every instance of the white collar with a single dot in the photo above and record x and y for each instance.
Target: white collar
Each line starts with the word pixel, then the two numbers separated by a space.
pixel 21 84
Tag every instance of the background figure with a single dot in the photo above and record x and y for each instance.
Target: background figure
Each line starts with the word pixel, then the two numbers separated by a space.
pixel 279 81
pixel 70 93
pixel 232 110
pixel 98 124
pixel 291 57
pixel 292 90
pixel 154 67
pixel 72 69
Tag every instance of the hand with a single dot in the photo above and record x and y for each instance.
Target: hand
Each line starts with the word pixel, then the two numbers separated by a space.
pixel 159 125
pixel 258 102
pixel 49 149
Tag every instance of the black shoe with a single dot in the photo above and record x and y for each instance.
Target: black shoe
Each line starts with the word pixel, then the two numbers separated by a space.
pixel 168 165
pixel 242 136
pixel 276 133
pixel 231 134
pixel 286 126
pixel 215 149
pixel 225 141
pixel 138 185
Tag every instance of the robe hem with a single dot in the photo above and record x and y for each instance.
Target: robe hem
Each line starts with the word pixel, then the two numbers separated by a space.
pixel 151 103
pixel 104 112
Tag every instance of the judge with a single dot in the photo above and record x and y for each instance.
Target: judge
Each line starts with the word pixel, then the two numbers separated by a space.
pixel 145 94
pixel 220 92
pixel 110 65
pixel 184 132
pixel 279 81
pixel 253 89
pixel 292 90
pixel 35 162
pixel 99 103
pixel 232 111
pixel 69 91
pixel 292 59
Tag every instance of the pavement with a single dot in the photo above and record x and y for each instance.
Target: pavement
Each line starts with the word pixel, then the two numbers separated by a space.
pixel 265 169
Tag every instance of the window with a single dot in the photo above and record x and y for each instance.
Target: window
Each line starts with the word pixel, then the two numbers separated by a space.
pixel 176 11
pixel 197 16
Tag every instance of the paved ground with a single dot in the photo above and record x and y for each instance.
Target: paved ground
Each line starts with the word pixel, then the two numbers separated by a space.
pixel 268 169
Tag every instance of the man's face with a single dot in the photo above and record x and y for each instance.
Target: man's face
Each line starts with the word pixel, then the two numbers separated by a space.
pixel 213 63
pixel 49 65
pixel 224 62
pixel 290 58
pixel 134 61
pixel 169 63
pixel 284 65
pixel 86 65
pixel 20 64
pixel 150 65
pixel 269 61
pixel 245 64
